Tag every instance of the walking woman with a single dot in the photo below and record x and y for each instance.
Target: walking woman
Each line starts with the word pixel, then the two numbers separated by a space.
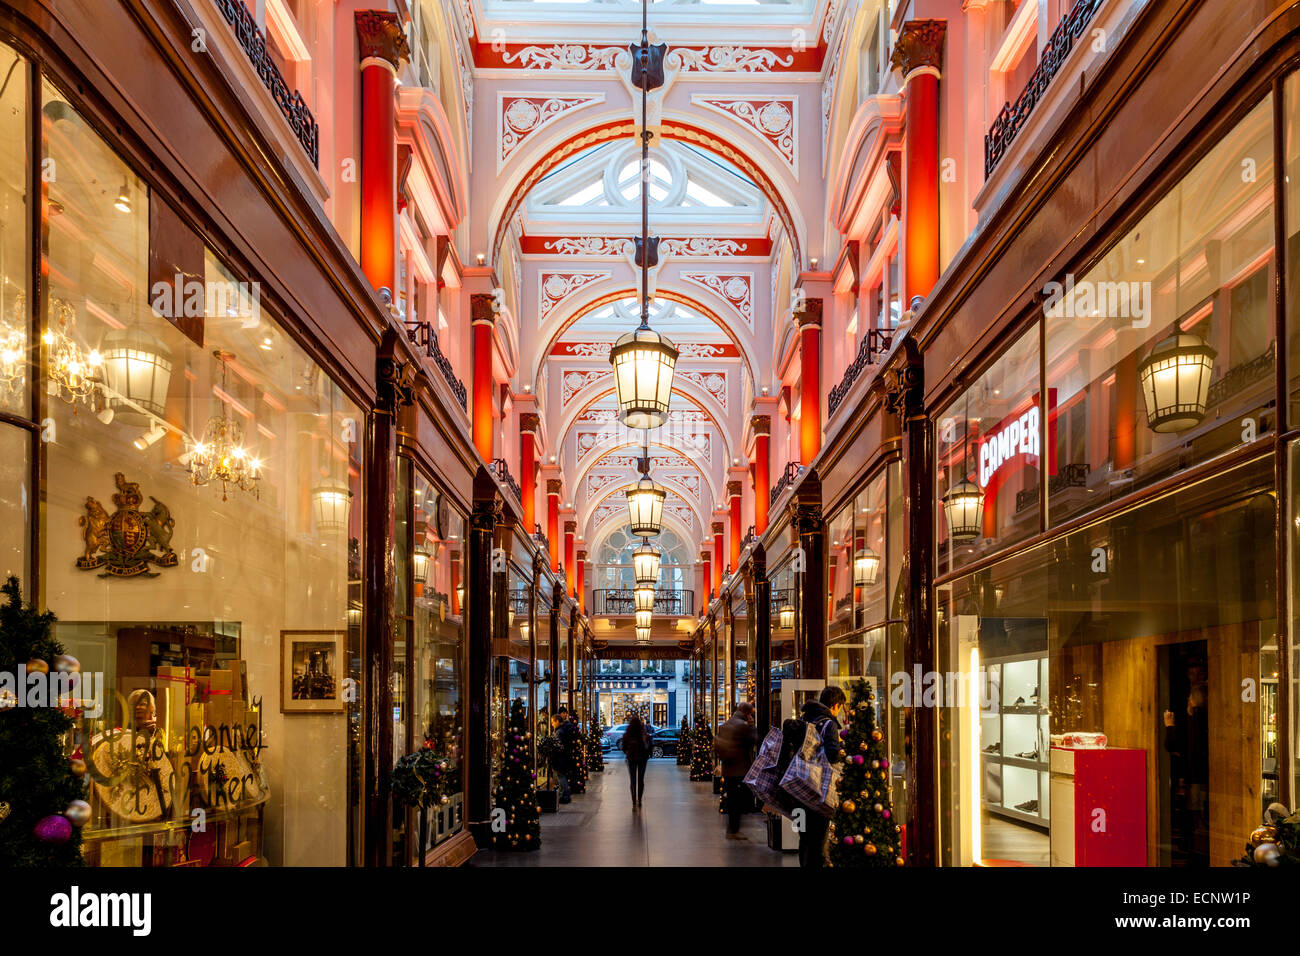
pixel 636 748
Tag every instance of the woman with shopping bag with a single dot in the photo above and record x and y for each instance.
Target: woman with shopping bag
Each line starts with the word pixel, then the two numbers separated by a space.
pixel 805 779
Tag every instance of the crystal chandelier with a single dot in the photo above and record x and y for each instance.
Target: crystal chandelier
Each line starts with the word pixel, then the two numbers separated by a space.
pixel 220 455
pixel 73 373
pixel 13 349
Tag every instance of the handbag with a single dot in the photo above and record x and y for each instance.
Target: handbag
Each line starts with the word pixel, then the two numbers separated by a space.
pixel 764 776
pixel 811 780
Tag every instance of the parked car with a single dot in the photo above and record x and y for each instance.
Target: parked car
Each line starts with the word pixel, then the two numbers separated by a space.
pixel 664 742
pixel 609 741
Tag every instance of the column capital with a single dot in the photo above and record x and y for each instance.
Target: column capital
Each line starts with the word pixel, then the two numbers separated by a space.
pixel 570 527
pixel 761 424
pixel 717 528
pixel 582 556
pixel 810 316
pixel 481 309
pixel 919 48
pixel 554 486
pixel 734 489
pixel 529 423
pixel 380 37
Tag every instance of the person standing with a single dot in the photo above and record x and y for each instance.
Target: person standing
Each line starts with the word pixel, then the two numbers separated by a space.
pixel 824 714
pixel 565 748
pixel 734 746
pixel 636 748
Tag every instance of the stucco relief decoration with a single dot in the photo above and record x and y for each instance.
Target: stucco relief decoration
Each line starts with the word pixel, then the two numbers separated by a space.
pixel 555 287
pixel 603 514
pixel 682 513
pixel 726 59
pixel 586 443
pixel 828 92
pixel 715 383
pixel 587 349
pixel 598 416
pixel 687 415
pixel 661 461
pixel 567 56
pixel 699 350
pixel 521 116
pixel 689 481
pixel 589 246
pixel 684 247
pixel 574 382
pixel 701 442
pixel 737 288
pixel 775 119
pixel 598 482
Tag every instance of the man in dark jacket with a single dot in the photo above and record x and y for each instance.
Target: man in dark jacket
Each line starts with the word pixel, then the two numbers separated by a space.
pixel 824 714
pixel 734 746
pixel 566 739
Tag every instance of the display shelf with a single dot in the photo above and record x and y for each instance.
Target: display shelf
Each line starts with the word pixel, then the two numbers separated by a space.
pixel 1014 720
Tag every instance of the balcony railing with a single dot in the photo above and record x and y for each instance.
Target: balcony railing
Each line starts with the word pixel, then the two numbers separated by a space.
pixel 292 104
pixel 1014 115
pixel 876 343
pixel 792 471
pixel 502 471
pixel 422 334
pixel 616 601
pixel 1073 475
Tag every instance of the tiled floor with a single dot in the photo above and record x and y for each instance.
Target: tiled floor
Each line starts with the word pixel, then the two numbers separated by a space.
pixel 678 826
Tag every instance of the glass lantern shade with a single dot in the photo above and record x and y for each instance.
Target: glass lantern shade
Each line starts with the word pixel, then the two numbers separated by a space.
pixel 420 563
pixel 963 506
pixel 866 568
pixel 330 502
pixel 354 615
pixel 644 362
pixel 645 507
pixel 460 597
pixel 643 618
pixel 643 599
pixel 1175 381
pixel 645 562
pixel 643 635
pixel 523 631
pixel 137 370
pixel 785 617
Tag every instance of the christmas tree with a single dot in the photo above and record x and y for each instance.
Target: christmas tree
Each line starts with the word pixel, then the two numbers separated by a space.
pixel 578 775
pixel 42 791
pixel 701 751
pixel 684 748
pixel 863 832
pixel 515 793
pixel 595 759
pixel 419 781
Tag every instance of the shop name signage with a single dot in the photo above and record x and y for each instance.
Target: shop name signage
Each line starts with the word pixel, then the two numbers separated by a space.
pixel 1011 443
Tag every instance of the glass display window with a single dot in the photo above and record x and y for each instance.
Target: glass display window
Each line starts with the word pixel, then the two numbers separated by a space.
pixel 201 529
pixel 988 459
pixel 1164 354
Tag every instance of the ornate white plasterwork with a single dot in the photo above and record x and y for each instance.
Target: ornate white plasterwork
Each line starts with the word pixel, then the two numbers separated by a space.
pixel 715 383
pixel 589 349
pixel 688 481
pixel 685 247
pixel 682 513
pixel 603 514
pixel 554 287
pixel 574 381
pixel 567 56
pixel 658 459
pixel 523 115
pixel 590 57
pixel 598 416
pixel 726 59
pixel 597 482
pixel 775 119
pixel 698 350
pixel 736 287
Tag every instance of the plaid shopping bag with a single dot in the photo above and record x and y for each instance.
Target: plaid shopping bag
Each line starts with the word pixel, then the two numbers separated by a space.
pixel 810 779
pixel 764 776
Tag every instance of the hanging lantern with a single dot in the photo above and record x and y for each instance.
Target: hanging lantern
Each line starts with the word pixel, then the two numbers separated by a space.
pixel 866 568
pixel 963 505
pixel 420 563
pixel 643 618
pixel 460 596
pixel 523 631
pixel 645 563
pixel 510 616
pixel 644 361
pixel 645 507
pixel 330 501
pixel 643 598
pixel 785 617
pixel 1175 381
pixel 643 635
pixel 354 615
pixel 137 371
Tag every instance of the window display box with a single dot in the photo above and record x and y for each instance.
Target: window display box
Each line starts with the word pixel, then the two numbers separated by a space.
pixel 1100 799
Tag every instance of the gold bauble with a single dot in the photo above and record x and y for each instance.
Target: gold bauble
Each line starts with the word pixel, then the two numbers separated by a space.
pixel 849 806
pixel 900 862
pixel 37 666
pixel 869 849
pixel 1264 834
pixel 876 735
pixel 878 808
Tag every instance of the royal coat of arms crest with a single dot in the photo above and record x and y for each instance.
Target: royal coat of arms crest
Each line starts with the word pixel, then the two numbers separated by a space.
pixel 125 543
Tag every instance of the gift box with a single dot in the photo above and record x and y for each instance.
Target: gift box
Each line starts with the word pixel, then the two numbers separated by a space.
pixel 1079 740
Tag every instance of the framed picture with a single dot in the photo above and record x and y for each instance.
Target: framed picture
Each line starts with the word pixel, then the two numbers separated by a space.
pixel 311 672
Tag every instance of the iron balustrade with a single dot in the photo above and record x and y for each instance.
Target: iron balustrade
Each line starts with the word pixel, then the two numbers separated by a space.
pixel 1073 475
pixel 876 342
pixel 792 471
pixel 422 334
pixel 292 105
pixel 502 471
pixel 1013 117
pixel 620 601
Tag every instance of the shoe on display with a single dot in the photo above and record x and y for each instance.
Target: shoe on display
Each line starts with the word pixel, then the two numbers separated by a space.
pixel 1019 702
pixel 1028 755
pixel 994 748
pixel 1029 806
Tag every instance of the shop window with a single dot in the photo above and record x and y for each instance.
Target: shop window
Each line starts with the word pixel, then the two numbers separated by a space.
pixel 1291 179
pixel 989 458
pixel 224 614
pixel 1118 653
pixel 1163 354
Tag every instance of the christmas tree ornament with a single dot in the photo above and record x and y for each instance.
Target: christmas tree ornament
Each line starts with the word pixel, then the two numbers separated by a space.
pixel 849 806
pixel 78 813
pixel 1267 854
pixel 4 811
pixel 877 736
pixel 37 666
pixel 848 841
pixel 8 700
pixel 875 765
pixel 67 664
pixel 54 829
pixel 1262 835
pixel 900 862
pixel 865 810
pixel 869 849
pixel 877 807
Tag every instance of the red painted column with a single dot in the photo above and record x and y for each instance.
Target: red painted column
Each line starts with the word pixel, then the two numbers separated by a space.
pixel 553 520
pixel 529 423
pixel 381 46
pixel 581 582
pixel 919 55
pixel 708 577
pixel 455 582
pixel 762 425
pixel 810 380
pixel 484 324
pixel 717 557
pixel 734 491
pixel 570 529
